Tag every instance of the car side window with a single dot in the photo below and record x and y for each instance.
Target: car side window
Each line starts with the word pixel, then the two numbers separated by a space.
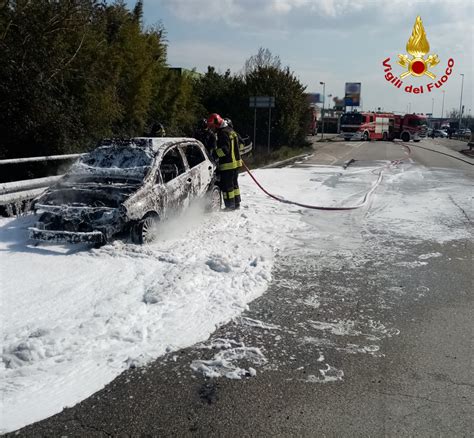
pixel 172 165
pixel 194 155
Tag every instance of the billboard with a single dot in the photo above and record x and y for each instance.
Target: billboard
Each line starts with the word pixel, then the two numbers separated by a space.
pixel 352 94
pixel 314 98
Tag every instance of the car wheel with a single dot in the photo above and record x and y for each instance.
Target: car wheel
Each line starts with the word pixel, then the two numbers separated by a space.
pixel 214 199
pixel 366 136
pixel 416 141
pixel 405 137
pixel 144 231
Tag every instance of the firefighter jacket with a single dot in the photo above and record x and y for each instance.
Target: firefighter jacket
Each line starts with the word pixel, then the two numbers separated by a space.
pixel 228 149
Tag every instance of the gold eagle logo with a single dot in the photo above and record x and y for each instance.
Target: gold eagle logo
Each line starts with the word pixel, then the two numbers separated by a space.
pixel 418 46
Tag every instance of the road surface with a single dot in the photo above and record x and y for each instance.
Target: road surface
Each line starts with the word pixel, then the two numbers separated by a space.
pixel 362 333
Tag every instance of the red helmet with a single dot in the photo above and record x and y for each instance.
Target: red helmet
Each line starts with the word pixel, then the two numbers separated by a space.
pixel 214 121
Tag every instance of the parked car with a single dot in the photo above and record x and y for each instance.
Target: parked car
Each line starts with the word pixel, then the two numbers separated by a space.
pixel 440 133
pixel 463 133
pixel 126 186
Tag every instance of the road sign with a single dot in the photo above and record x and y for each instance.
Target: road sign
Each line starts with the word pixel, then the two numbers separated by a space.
pixel 261 102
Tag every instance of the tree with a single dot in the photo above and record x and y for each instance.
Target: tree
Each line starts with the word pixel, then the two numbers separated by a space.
pixel 263 59
pixel 73 72
pixel 290 117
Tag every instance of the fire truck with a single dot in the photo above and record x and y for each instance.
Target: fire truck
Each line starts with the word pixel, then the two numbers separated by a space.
pixel 382 126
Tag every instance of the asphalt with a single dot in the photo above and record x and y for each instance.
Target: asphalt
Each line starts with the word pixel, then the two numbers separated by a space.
pixel 406 370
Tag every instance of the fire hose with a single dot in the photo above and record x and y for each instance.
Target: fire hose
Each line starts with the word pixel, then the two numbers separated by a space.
pixel 366 197
pixel 363 202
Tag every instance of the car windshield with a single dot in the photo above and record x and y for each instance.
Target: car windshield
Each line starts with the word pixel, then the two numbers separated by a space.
pixel 123 162
pixel 351 119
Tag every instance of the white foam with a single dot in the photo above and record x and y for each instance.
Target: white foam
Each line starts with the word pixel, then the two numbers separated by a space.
pixel 74 318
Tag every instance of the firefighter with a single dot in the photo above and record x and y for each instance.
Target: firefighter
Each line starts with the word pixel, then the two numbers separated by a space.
pixel 228 154
pixel 206 137
pixel 158 130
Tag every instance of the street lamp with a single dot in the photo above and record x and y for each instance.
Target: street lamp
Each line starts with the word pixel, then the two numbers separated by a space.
pixel 460 101
pixel 442 106
pixel 322 112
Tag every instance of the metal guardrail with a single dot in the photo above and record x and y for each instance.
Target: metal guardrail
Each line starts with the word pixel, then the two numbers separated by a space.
pixel 45 158
pixel 16 196
pixel 29 184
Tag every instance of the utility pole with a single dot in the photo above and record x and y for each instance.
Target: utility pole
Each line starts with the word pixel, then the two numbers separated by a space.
pixel 442 106
pixel 255 128
pixel 322 112
pixel 460 101
pixel 269 127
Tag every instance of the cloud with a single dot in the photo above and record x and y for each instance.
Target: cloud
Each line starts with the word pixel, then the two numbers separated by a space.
pixel 330 40
pixel 298 14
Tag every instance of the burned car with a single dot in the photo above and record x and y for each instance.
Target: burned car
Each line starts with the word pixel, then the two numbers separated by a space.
pixel 126 186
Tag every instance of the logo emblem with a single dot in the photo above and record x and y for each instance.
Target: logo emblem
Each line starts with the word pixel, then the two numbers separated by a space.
pixel 418 46
pixel 417 65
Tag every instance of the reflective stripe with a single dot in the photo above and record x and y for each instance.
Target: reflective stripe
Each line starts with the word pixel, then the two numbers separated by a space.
pixel 237 192
pixel 233 141
pixel 229 166
pixel 234 145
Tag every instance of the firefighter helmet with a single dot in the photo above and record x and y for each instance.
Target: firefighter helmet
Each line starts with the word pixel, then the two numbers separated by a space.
pixel 214 121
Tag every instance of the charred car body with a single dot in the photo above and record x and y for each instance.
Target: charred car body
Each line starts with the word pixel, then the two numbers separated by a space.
pixel 125 186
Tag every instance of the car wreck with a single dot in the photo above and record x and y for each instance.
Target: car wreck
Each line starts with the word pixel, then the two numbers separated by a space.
pixel 126 187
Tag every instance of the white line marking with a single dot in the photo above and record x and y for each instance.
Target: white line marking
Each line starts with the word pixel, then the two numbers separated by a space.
pixel 357 146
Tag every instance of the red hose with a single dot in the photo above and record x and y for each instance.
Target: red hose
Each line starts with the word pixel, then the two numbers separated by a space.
pixel 318 207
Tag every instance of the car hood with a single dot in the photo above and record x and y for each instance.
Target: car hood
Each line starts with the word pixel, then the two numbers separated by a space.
pixel 90 193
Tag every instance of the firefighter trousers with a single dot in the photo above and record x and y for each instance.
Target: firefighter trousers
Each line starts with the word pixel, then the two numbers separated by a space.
pixel 229 185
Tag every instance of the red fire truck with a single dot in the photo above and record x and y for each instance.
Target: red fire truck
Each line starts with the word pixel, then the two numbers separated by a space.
pixel 382 126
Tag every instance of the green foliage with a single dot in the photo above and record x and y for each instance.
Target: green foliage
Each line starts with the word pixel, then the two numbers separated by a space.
pixel 229 95
pixel 74 71
pixel 290 116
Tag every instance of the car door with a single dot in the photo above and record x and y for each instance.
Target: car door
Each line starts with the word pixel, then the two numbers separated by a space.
pixel 201 170
pixel 176 181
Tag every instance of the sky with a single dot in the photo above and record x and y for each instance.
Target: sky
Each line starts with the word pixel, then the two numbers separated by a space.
pixel 331 41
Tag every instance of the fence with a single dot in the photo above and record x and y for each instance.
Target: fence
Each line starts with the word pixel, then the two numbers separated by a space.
pixel 16 196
